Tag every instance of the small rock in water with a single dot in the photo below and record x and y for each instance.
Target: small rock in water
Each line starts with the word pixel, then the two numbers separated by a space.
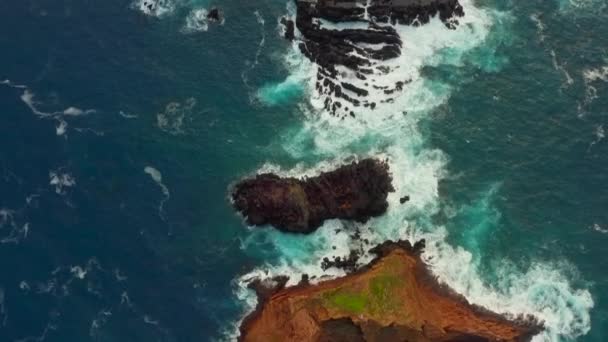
pixel 404 199
pixel 289 28
pixel 215 14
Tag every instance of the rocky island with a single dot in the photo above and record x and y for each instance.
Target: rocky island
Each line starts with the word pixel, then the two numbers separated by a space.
pixel 356 192
pixel 394 298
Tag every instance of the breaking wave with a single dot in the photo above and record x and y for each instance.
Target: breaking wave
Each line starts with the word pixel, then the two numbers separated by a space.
pixel 196 21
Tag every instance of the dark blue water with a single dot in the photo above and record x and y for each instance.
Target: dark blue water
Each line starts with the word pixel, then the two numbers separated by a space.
pixel 117 226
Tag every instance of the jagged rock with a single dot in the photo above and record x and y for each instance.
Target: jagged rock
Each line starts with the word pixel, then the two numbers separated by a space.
pixel 289 28
pixel 215 14
pixel 414 12
pixel 356 192
pixel 348 264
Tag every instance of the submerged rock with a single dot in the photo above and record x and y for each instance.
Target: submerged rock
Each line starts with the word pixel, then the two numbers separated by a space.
pixel 356 192
pixel 394 298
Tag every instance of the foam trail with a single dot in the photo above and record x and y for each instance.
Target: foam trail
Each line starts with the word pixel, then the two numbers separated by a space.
pixel 560 67
pixel 598 74
pixel 539 26
pixel 590 77
pixel 157 177
pixel 27 97
pixel 391 131
pixel 196 21
pixel 245 74
pixel 171 120
pixel 7 222
pixel 60 181
pixel 599 228
pixel 12 85
pixel 600 134
pixel 154 8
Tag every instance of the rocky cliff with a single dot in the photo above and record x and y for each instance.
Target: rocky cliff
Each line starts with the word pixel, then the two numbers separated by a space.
pixel 395 298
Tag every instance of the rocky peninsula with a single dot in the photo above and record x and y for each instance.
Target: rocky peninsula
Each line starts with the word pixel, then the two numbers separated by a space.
pixel 356 191
pixel 394 298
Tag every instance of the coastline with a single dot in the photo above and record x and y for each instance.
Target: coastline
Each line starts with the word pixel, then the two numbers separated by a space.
pixel 272 293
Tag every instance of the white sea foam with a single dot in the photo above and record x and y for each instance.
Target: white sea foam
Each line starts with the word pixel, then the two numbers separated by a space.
pixel 155 8
pixel 196 21
pixel 28 97
pixel 599 228
pixel 590 77
pixel 12 85
pixel 149 320
pixel 157 177
pixel 61 180
pixel 600 134
pixel 171 120
pixel 561 68
pixel 540 27
pixel 75 111
pixel 127 115
pixel 258 52
pixel 392 131
pixel 596 74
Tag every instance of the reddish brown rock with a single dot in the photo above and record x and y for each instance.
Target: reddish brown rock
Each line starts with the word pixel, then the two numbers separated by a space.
pixel 356 192
pixel 395 298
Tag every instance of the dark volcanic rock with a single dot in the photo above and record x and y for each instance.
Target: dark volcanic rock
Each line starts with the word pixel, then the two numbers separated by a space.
pixel 290 28
pixel 359 49
pixel 414 12
pixel 348 264
pixel 215 14
pixel 354 192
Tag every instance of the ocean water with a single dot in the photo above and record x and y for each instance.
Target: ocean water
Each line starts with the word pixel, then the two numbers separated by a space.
pixel 123 130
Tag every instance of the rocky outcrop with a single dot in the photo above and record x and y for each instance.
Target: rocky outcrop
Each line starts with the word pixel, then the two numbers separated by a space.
pixel 394 298
pixel 360 47
pixel 215 15
pixel 356 192
pixel 415 12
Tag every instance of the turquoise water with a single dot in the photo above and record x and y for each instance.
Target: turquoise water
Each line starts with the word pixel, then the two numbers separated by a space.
pixel 124 130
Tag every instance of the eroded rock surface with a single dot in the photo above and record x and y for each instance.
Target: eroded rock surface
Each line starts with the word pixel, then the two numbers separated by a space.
pixel 364 39
pixel 394 298
pixel 356 192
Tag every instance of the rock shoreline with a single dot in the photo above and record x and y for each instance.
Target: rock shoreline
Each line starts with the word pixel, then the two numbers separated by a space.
pixel 393 298
pixel 359 49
